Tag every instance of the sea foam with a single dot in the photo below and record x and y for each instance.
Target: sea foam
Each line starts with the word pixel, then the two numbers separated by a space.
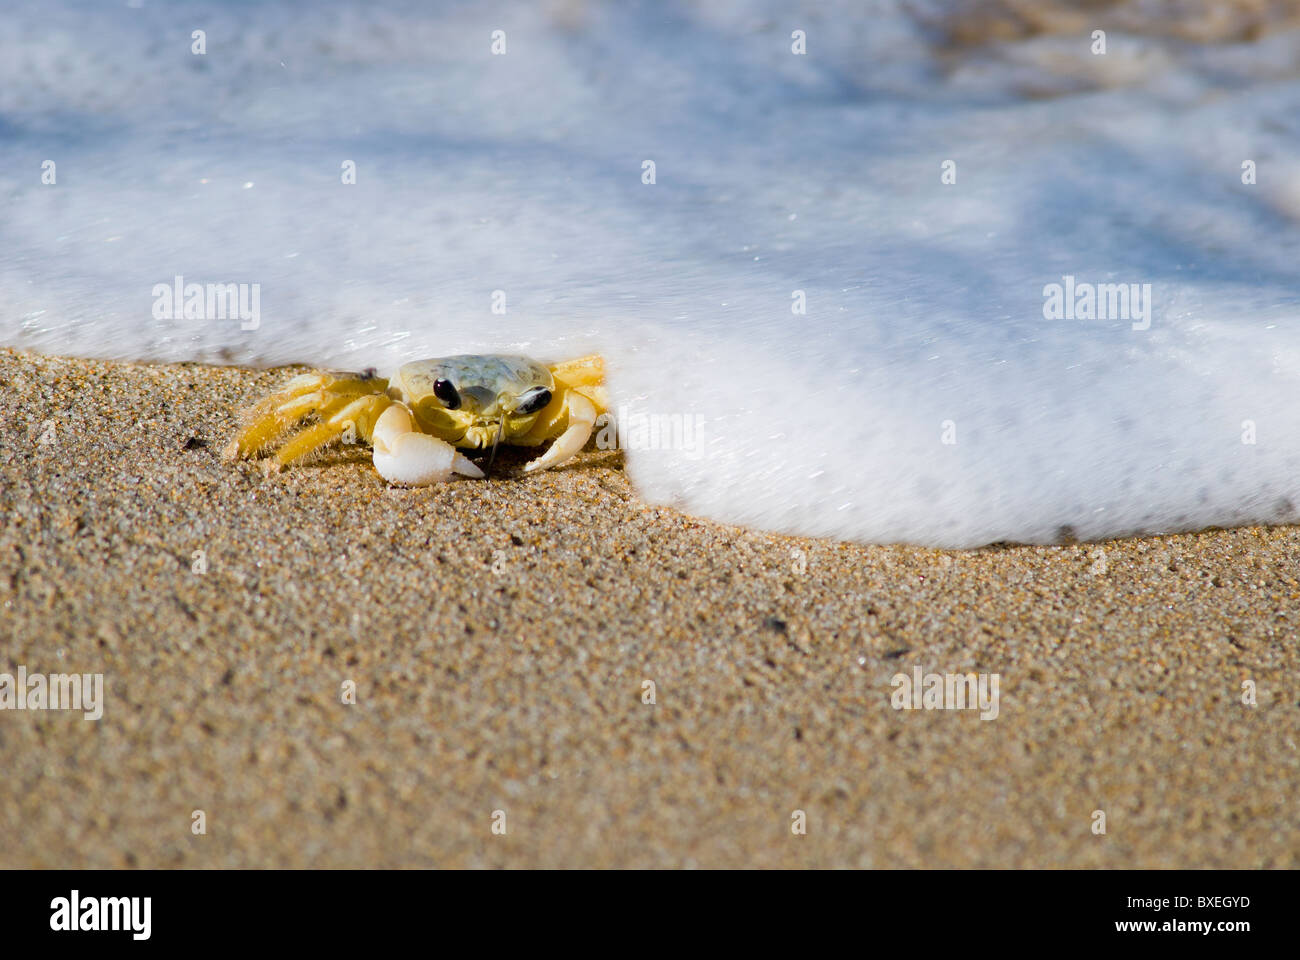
pixel 925 393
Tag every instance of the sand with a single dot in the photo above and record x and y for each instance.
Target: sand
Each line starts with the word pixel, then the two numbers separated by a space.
pixel 500 633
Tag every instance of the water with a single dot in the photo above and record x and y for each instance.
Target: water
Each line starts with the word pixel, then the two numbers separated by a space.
pixel 923 396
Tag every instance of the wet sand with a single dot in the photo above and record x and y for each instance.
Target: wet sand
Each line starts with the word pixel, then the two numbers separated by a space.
pixel 500 634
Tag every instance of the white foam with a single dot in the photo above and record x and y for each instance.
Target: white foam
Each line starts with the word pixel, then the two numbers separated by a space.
pixel 774 172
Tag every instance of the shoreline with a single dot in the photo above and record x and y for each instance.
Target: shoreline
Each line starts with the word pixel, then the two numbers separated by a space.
pixel 500 635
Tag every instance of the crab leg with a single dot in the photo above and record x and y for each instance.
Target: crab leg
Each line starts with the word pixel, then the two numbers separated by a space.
pixel 335 418
pixel 585 371
pixel 272 416
pixel 405 456
pixel 582 417
pixel 304 394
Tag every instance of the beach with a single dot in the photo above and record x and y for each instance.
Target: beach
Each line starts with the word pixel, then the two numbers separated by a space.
pixel 501 641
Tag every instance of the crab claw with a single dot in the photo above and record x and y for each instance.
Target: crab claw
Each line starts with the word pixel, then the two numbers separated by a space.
pixel 582 417
pixel 413 459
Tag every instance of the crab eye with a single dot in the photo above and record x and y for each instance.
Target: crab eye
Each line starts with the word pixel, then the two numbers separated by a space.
pixel 445 391
pixel 533 400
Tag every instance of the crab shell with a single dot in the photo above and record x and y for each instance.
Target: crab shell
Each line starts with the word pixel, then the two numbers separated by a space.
pixel 489 387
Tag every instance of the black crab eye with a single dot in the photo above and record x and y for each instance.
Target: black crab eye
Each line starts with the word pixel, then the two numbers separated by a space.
pixel 445 391
pixel 533 400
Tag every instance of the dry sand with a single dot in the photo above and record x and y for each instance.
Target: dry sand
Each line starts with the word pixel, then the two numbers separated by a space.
pixel 499 634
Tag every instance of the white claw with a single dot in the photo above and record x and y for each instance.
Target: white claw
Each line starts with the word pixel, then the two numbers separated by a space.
pixel 582 417
pixel 466 467
pixel 405 456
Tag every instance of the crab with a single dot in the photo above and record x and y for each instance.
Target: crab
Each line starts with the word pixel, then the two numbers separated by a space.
pixel 417 419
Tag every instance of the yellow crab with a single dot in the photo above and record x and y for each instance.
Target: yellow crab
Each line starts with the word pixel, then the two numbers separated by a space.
pixel 417 419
